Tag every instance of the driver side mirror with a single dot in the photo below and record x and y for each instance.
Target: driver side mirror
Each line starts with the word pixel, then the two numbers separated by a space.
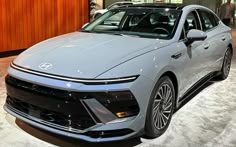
pixel 195 35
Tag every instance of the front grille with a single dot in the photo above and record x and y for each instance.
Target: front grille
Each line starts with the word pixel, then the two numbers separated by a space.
pixel 115 101
pixel 48 105
pixel 61 119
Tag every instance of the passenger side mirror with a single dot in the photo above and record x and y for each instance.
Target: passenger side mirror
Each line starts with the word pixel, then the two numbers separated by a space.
pixel 195 35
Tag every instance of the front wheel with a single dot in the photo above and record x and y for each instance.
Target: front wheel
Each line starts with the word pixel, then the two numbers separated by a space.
pixel 160 108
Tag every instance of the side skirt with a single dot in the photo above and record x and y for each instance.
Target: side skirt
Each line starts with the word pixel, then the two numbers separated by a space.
pixel 195 89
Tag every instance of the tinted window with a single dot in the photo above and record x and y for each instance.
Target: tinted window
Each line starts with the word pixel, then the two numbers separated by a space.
pixel 208 20
pixel 182 36
pixel 191 22
pixel 216 19
pixel 148 23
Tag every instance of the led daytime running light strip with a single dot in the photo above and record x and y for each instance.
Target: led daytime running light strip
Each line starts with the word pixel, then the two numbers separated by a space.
pixel 106 81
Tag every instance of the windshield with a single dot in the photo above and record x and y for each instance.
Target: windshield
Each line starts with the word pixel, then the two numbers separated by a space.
pixel 140 22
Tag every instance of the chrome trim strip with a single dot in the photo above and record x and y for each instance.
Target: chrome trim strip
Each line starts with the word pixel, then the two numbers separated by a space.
pixel 106 81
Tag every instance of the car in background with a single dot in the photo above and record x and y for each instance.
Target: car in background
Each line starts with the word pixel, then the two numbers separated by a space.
pixel 98 13
pixel 121 76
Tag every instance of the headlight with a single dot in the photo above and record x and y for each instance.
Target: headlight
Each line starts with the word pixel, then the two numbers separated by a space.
pixel 121 103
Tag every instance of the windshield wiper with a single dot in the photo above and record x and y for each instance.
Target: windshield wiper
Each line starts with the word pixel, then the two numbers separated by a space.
pixel 137 35
pixel 131 35
pixel 122 34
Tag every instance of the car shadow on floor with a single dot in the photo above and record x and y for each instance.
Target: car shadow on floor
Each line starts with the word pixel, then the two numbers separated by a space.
pixel 69 142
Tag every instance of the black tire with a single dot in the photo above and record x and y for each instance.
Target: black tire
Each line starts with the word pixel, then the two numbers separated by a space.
pixel 224 73
pixel 158 112
pixel 97 15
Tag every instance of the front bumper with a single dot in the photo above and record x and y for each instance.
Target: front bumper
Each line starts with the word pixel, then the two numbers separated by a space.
pixel 91 128
pixel 71 112
pixel 89 136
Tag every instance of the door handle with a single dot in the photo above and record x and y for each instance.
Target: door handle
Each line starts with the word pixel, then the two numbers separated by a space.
pixel 176 56
pixel 206 46
pixel 223 38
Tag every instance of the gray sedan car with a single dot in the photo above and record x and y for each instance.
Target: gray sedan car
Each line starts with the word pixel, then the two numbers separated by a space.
pixel 121 76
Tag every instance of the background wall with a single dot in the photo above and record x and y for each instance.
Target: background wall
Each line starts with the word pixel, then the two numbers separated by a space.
pixel 212 4
pixel 24 23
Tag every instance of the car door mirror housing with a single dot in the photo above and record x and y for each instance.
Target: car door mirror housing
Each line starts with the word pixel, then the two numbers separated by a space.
pixel 195 35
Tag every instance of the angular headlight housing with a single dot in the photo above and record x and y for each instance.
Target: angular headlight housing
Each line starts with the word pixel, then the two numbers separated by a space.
pixel 121 103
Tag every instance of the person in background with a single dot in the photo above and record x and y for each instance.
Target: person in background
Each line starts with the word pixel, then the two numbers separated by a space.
pixel 226 12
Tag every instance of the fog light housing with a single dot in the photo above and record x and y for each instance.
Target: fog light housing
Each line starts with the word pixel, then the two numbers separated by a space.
pixel 123 114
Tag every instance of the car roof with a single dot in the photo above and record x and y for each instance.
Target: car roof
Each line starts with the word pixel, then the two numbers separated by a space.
pixel 157 5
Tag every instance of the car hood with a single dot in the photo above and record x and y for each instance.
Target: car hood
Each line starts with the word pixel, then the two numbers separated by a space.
pixel 84 55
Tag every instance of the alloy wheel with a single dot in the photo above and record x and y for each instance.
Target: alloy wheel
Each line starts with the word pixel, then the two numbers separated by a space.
pixel 227 62
pixel 162 106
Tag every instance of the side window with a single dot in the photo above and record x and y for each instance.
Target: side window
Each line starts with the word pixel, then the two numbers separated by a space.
pixel 215 18
pixel 191 22
pixel 182 37
pixel 208 20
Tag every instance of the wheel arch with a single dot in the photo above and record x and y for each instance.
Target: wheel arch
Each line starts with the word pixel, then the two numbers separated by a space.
pixel 174 80
pixel 231 47
pixel 148 127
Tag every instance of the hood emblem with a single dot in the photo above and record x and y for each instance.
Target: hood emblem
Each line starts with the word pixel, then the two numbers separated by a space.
pixel 45 66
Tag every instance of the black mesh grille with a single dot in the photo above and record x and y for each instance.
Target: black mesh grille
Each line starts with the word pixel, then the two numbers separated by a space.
pixel 53 106
pixel 65 110
pixel 115 101
pixel 50 116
